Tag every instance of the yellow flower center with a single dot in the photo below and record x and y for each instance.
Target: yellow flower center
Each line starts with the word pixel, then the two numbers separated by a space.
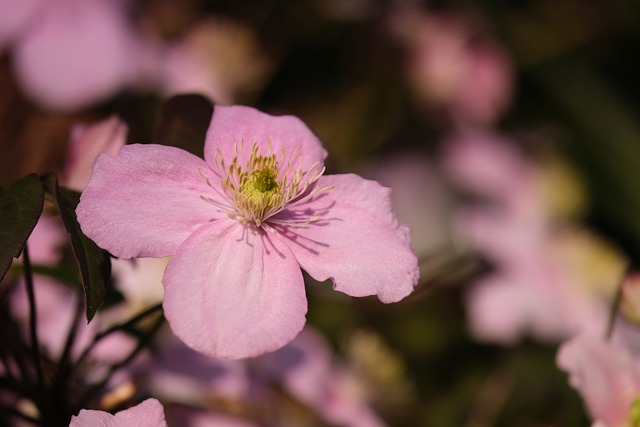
pixel 256 189
pixel 261 181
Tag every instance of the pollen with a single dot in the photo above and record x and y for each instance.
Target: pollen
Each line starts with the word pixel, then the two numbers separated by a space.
pixel 261 181
pixel 259 192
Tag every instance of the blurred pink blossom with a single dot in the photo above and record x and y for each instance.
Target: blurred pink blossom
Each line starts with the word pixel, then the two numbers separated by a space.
pixel 607 375
pixel 72 53
pixel 86 142
pixel 241 224
pixel 220 59
pixel 454 66
pixel 539 287
pixel 149 413
pixel 309 371
pixel 184 376
pixel 14 18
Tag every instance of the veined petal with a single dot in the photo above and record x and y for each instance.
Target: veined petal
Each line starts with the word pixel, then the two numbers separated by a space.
pixel 145 201
pixel 230 293
pixel 232 125
pixel 357 242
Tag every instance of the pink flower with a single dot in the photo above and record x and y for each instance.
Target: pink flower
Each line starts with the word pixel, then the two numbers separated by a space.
pixel 551 279
pixel 74 53
pixel 146 414
pixel 455 66
pixel 240 225
pixel 606 373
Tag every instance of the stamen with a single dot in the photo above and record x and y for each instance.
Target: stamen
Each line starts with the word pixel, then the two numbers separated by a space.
pixel 256 187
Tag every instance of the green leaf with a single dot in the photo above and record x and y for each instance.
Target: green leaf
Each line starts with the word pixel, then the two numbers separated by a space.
pixel 94 263
pixel 184 121
pixel 20 209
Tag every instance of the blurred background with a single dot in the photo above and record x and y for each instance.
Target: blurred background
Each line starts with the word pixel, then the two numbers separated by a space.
pixel 509 132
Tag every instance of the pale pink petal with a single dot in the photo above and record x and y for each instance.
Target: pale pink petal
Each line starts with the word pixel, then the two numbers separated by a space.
pixel 606 375
pixel 503 308
pixel 149 413
pixel 357 242
pixel 230 293
pixel 234 124
pixel 86 143
pixel 145 201
pixel 487 164
pixel 76 53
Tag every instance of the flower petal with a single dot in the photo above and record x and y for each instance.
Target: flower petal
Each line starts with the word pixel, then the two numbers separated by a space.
pixel 233 291
pixel 357 242
pixel 145 201
pixel 232 124
pixel 604 373
pixel 149 413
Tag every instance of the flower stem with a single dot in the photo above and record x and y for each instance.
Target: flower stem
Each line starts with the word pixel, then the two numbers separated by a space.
pixel 33 318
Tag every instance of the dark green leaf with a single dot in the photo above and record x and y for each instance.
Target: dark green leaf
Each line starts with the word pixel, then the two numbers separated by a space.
pixel 94 263
pixel 20 209
pixel 184 121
